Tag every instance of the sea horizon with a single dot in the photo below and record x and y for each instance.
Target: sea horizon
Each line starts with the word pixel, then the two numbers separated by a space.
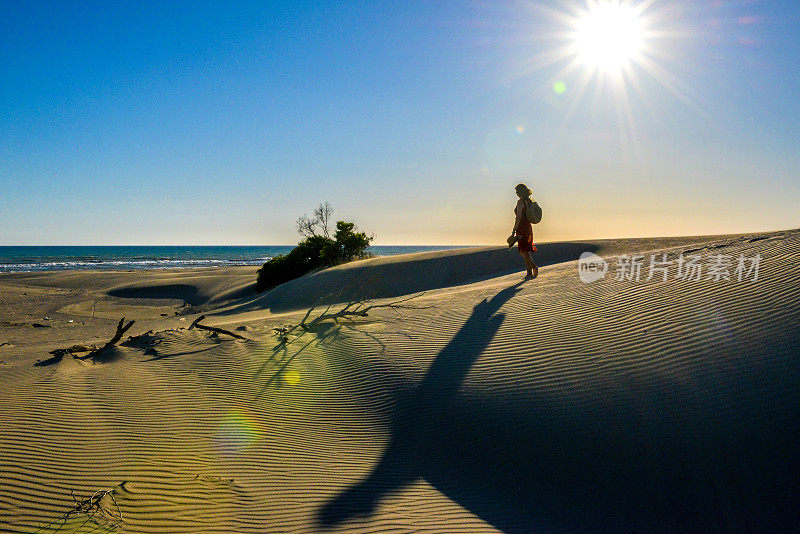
pixel 35 258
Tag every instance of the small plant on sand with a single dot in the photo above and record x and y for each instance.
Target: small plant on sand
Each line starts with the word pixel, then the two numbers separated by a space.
pixel 317 251
pixel 324 323
pixel 348 312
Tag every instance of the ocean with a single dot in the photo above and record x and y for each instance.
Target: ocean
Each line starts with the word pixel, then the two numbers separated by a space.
pixel 55 258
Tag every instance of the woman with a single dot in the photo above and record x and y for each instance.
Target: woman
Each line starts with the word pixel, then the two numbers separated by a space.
pixel 524 231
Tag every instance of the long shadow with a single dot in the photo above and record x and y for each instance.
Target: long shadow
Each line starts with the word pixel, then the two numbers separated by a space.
pixel 160 356
pixel 185 292
pixel 626 450
pixel 418 416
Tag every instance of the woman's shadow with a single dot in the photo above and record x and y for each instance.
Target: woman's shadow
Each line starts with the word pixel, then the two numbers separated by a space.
pixel 414 427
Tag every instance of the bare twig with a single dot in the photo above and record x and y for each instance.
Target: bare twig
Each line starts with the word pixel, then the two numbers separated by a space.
pixel 323 217
pixel 103 515
pixel 284 331
pixel 358 308
pixel 306 226
pixel 96 354
pixel 303 320
pixel 73 351
pixel 349 311
pixel 120 331
pixel 355 308
pixel 196 324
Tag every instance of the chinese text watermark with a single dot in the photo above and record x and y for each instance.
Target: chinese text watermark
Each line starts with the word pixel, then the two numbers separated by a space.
pixel 663 267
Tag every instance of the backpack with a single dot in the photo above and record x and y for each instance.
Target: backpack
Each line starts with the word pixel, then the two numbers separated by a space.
pixel 533 212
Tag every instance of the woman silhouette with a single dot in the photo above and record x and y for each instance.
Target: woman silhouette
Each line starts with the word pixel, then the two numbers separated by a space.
pixel 524 231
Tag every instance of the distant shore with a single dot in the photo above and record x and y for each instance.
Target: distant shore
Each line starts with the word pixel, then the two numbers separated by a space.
pixel 91 257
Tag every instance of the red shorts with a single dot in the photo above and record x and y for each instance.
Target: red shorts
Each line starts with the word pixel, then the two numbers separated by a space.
pixel 525 235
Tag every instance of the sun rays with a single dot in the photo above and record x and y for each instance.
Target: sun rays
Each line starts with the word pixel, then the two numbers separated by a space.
pixel 605 50
pixel 608 36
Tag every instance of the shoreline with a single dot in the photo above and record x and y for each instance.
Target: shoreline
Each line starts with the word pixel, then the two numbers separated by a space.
pixel 144 257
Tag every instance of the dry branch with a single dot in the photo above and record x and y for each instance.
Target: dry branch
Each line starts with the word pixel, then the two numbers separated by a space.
pixel 352 309
pixel 105 515
pixel 307 226
pixel 97 353
pixel 196 324
pixel 120 331
pixel 357 308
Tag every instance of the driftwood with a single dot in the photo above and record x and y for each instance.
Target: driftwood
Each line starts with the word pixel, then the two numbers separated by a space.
pixel 352 309
pixel 345 312
pixel 101 509
pixel 73 351
pixel 196 324
pixel 98 353
pixel 358 308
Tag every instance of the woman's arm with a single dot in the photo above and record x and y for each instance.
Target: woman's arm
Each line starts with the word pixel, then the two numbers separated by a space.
pixel 518 218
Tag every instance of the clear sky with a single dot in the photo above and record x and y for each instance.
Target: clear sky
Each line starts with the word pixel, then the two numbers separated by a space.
pixel 222 122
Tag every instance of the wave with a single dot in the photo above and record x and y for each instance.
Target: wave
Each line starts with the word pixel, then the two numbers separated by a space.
pixel 56 258
pixel 129 264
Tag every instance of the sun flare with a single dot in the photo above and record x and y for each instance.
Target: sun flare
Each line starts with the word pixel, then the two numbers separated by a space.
pixel 608 36
pixel 608 50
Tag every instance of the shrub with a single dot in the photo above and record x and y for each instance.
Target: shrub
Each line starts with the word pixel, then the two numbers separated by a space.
pixel 314 253
pixel 347 245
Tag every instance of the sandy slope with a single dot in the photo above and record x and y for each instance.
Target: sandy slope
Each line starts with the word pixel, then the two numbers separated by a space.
pixel 547 406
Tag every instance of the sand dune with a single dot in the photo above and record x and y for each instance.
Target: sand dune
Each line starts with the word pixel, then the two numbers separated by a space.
pixel 494 405
pixel 393 276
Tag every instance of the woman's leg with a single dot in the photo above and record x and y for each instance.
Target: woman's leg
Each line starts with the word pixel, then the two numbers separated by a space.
pixel 533 266
pixel 528 262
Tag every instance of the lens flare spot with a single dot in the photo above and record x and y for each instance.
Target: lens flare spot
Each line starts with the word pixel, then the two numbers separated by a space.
pixel 292 377
pixel 559 88
pixel 507 151
pixel 520 129
pixel 237 432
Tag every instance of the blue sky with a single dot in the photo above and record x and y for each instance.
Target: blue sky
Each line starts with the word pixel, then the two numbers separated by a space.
pixel 221 123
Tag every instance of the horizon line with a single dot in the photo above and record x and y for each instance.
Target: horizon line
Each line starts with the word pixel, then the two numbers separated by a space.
pixel 409 245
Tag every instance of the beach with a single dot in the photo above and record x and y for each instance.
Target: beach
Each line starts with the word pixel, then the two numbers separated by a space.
pixel 465 400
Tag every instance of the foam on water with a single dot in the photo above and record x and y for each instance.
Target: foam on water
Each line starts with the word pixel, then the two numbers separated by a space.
pixel 55 258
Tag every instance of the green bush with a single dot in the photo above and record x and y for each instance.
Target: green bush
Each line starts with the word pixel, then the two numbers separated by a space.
pixel 314 253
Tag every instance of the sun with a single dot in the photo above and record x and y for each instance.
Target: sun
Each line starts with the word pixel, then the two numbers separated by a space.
pixel 608 36
pixel 608 50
